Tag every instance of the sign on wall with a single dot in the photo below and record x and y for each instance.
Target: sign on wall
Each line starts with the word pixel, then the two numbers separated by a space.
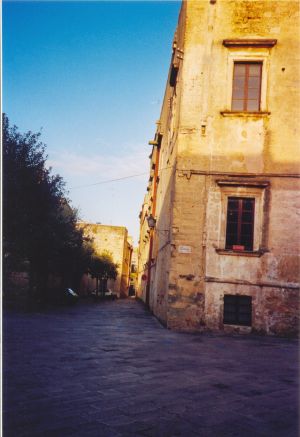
pixel 184 249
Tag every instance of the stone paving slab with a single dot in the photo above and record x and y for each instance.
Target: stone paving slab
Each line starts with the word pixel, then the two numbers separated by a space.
pixel 109 369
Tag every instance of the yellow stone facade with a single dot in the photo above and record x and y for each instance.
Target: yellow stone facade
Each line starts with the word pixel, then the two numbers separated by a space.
pixel 204 154
pixel 115 240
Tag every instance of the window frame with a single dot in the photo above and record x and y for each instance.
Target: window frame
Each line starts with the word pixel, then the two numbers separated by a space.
pixel 245 100
pixel 249 56
pixel 239 223
pixel 256 191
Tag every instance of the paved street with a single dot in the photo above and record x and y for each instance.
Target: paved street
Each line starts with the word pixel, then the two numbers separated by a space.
pixel 110 369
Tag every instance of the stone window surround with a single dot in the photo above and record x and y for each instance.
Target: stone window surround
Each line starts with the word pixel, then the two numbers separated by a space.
pixel 254 190
pixel 248 55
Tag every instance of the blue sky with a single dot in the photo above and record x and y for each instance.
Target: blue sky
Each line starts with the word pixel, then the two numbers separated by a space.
pixel 91 75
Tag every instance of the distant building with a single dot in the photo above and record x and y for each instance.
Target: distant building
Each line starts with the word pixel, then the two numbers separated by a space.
pixel 115 240
pixel 223 251
pixel 134 272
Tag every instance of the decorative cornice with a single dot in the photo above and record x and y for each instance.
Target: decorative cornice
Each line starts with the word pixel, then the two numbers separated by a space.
pixel 263 43
pixel 189 172
pixel 235 183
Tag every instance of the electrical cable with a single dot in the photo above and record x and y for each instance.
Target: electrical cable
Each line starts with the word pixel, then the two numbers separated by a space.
pixel 114 180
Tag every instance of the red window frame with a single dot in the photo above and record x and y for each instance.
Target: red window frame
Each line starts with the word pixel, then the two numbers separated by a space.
pixel 243 102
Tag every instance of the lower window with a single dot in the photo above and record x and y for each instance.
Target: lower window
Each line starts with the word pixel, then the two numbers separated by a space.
pixel 240 223
pixel 237 310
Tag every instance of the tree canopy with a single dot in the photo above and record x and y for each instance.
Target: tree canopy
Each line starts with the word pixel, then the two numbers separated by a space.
pixel 103 267
pixel 39 225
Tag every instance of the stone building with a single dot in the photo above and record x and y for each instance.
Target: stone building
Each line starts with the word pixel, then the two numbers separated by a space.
pixel 222 252
pixel 114 240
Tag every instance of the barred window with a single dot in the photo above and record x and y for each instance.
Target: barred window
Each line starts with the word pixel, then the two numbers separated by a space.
pixel 237 310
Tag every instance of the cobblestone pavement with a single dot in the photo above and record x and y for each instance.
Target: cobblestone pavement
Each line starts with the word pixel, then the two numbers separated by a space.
pixel 110 369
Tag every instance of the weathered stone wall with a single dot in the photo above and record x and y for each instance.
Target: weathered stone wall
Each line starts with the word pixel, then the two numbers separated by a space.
pixel 125 278
pixel 112 239
pixel 168 127
pixel 186 289
pixel 162 246
pixel 217 153
pixel 160 194
pixel 143 251
pixel 275 310
pixel 275 271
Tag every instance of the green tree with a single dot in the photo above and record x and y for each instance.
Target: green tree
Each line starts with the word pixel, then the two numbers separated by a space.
pixel 39 225
pixel 103 268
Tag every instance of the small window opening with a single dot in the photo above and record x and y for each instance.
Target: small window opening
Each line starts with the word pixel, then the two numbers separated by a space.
pixel 237 310
pixel 173 75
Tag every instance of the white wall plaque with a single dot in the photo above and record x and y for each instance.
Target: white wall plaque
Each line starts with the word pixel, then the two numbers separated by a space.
pixel 184 249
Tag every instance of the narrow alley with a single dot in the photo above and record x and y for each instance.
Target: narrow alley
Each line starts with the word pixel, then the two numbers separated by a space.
pixel 110 369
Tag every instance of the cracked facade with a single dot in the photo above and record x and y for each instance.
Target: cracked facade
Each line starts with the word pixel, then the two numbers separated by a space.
pixel 223 253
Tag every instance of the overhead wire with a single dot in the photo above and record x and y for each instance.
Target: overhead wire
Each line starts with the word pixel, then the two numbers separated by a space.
pixel 114 180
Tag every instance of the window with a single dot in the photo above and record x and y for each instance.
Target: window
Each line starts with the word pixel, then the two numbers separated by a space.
pixel 240 223
pixel 173 75
pixel 243 219
pixel 246 87
pixel 248 67
pixel 237 310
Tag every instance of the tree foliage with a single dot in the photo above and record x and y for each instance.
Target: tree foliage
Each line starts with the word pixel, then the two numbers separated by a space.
pixel 103 267
pixel 39 225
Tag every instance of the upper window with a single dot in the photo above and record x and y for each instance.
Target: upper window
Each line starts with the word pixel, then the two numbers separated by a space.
pixel 240 223
pixel 246 88
pixel 248 65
